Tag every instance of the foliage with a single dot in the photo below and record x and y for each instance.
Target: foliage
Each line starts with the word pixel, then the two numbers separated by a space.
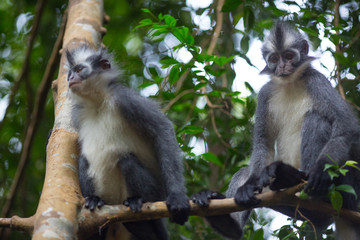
pixel 335 171
pixel 166 52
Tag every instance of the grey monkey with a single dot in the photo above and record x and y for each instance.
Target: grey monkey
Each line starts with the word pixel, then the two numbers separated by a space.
pixel 129 152
pixel 300 123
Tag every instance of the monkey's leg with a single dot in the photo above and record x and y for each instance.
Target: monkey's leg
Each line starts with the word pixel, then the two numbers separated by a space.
pixel 87 187
pixel 142 187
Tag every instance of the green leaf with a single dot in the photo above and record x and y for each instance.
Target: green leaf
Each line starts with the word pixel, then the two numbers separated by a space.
pixel 249 18
pixel 336 200
pixel 343 171
pixel 191 129
pixel 145 10
pixel 351 163
pixel 277 12
pixel 170 20
pixel 259 234
pixel 200 85
pixel 221 61
pixel 230 5
pixel 143 23
pixel 210 157
pixel 303 195
pixel 333 174
pixel 145 84
pixel 328 166
pixel 244 43
pixel 168 61
pixel 174 74
pixel 309 31
pixel 346 188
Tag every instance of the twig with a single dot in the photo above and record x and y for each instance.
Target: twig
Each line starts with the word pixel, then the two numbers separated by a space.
pixel 214 38
pixel 181 80
pixel 175 99
pixel 338 49
pixel 216 130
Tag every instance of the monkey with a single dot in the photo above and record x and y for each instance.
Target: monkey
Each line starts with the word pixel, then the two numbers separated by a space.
pixel 301 122
pixel 128 149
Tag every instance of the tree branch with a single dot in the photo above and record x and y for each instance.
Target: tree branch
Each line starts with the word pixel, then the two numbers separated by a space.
pixel 90 222
pixel 109 214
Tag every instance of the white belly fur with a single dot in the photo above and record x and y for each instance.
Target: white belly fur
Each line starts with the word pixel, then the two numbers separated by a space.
pixel 287 107
pixel 105 136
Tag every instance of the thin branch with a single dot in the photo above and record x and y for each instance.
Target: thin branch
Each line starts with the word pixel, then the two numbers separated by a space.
pixel 353 41
pixel 218 27
pixel 175 99
pixel 181 80
pixel 214 38
pixel 25 68
pixel 36 115
pixel 338 49
pixel 216 130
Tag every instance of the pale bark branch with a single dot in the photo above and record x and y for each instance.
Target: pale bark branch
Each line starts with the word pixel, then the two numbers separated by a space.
pixel 90 222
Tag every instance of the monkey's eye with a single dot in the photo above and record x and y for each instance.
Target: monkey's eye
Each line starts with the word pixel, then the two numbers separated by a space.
pixel 289 55
pixel 78 70
pixel 273 58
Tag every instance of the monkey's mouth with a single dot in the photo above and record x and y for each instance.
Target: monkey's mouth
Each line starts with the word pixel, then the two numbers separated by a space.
pixel 74 83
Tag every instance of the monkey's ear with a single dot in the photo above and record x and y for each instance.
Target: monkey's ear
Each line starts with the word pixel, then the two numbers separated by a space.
pixel 105 64
pixel 266 70
pixel 70 58
pixel 305 47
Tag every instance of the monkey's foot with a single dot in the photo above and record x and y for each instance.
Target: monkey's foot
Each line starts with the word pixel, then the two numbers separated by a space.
pixel 202 198
pixel 179 207
pixel 91 202
pixel 135 203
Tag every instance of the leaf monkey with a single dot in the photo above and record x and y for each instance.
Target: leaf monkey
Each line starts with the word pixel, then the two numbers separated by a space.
pixel 300 122
pixel 129 152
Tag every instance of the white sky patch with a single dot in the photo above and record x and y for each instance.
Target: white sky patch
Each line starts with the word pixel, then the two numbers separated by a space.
pixel 3 105
pixel 196 4
pixel 198 145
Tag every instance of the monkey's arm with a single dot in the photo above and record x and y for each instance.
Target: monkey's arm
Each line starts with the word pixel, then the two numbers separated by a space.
pixel 328 131
pixel 153 124
pixel 263 151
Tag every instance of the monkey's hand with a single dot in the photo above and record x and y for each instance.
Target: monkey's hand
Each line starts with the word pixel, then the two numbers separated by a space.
pixel 135 203
pixel 280 175
pixel 92 201
pixel 202 198
pixel 179 207
pixel 319 181
pixel 245 195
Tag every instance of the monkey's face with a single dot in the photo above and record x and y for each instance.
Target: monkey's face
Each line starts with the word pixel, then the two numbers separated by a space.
pixel 89 71
pixel 283 64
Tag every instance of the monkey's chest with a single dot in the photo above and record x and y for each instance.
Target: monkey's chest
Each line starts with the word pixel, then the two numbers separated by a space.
pixel 287 109
pixel 104 139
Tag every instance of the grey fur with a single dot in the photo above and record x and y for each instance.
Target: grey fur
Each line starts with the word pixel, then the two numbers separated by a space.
pixel 328 127
pixel 128 146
